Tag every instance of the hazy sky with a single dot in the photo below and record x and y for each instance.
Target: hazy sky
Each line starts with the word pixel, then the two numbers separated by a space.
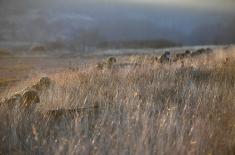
pixel 224 4
pixel 184 21
pixel 197 3
pixel 217 4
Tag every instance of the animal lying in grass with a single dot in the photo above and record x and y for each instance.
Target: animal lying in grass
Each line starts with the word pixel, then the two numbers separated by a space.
pixel 28 99
pixel 108 63
pixel 29 96
pixel 166 57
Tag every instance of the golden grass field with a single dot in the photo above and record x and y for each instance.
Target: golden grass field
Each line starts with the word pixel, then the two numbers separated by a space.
pixel 134 106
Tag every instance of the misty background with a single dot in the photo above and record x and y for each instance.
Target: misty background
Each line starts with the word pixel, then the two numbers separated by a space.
pixel 93 22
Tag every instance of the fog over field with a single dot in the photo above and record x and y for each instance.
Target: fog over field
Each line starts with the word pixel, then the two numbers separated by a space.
pixel 183 22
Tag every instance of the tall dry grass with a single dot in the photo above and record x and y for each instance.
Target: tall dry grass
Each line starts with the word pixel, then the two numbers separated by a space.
pixel 144 109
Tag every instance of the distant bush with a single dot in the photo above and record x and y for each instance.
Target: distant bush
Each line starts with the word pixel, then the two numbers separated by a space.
pixel 57 45
pixel 38 49
pixel 136 44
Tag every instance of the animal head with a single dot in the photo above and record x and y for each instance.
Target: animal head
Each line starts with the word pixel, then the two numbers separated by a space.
pixel 44 83
pixel 112 60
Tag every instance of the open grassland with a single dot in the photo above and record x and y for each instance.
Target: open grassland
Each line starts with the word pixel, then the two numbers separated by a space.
pixel 135 106
pixel 14 68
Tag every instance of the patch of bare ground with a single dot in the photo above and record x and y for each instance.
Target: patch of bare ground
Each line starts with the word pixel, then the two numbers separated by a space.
pixel 5 53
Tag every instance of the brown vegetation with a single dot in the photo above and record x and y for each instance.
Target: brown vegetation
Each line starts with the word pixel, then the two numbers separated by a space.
pixel 145 109
pixel 5 53
pixel 38 49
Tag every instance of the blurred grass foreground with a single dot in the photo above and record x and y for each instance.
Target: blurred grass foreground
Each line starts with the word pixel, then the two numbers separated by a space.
pixel 133 106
